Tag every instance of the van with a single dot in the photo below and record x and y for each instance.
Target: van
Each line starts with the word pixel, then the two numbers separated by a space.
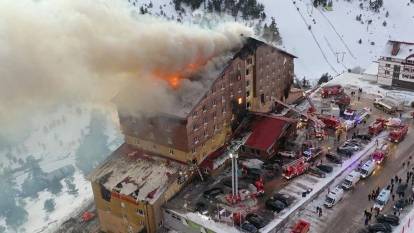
pixel 351 179
pixel 382 199
pixel 367 168
pixel 333 197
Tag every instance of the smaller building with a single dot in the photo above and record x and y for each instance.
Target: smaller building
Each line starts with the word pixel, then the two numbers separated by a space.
pixel 130 187
pixel 268 132
pixel 396 65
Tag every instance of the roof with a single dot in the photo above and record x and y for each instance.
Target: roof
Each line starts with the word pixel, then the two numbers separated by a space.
pixel 130 172
pixel 193 89
pixel 398 49
pixel 266 131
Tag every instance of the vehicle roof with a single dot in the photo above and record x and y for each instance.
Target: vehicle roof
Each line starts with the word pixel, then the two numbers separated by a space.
pixel 384 194
pixel 367 164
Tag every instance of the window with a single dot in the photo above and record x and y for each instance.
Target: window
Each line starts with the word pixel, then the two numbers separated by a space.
pixel 387 65
pixel 240 100
pixel 214 102
pixel 388 58
pixel 248 104
pixel 262 98
pixel 387 72
pixel 247 93
pixel 247 83
pixel 195 114
pixel 195 127
pixel 249 61
pixel 140 212
pixel 195 140
pixel 204 108
pixel 247 71
pixel 171 152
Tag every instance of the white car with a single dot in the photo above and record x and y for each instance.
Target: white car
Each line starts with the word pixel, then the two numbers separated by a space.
pixel 288 154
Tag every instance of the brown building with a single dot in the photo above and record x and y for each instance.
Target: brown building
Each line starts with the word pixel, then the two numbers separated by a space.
pixel 252 79
pixel 152 165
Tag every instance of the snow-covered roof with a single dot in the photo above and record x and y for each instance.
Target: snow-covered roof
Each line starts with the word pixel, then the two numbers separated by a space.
pixel 130 172
pixel 398 49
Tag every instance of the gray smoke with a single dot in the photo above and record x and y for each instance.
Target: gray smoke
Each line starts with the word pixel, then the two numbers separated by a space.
pixel 63 51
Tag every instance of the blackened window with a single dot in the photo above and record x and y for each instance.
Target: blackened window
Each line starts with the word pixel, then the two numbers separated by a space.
pixel 105 193
pixel 262 98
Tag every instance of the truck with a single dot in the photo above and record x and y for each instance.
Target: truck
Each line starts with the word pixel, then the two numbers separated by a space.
pixel 380 154
pixel 330 121
pixel 382 199
pixel 367 168
pixel 398 134
pixel 362 115
pixel 351 179
pixel 333 197
pixel 388 104
pixel 377 126
pixel 295 168
pixel 331 90
pixel 342 100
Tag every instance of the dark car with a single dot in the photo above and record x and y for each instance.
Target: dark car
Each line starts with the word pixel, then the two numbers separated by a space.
pixel 285 198
pixel 275 205
pixel 401 189
pixel 274 160
pixel 212 193
pixel 254 174
pixel 274 167
pixel 365 137
pixel 333 158
pixel 201 207
pixel 316 172
pixel 248 227
pixel 256 220
pixel 388 218
pixel 345 151
pixel 362 230
pixel 325 168
pixel 400 204
pixel 380 227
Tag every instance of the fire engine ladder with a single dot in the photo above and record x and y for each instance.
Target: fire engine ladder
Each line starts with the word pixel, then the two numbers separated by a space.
pixel 199 172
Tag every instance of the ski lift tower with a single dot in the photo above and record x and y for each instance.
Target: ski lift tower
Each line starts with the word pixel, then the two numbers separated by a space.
pixel 234 178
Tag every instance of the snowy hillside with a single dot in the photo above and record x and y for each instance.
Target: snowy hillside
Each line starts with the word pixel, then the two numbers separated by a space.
pixel 331 45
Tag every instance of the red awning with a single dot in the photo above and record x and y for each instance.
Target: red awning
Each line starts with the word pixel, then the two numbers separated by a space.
pixel 266 131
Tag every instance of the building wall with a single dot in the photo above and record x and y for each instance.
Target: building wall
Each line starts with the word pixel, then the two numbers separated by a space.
pixel 120 215
pixel 396 72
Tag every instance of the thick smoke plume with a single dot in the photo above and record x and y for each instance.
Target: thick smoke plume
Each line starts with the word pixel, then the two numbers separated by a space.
pixel 60 51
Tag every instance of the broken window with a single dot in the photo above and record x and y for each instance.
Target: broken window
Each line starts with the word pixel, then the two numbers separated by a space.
pixel 105 193
pixel 171 152
pixel 262 98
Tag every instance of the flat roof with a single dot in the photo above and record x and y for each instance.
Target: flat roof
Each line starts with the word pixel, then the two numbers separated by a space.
pixel 131 172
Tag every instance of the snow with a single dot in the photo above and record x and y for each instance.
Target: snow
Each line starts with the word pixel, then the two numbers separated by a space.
pixel 406 49
pixel 55 140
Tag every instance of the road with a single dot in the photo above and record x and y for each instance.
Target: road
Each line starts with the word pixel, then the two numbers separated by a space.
pixel 352 207
pixel 348 215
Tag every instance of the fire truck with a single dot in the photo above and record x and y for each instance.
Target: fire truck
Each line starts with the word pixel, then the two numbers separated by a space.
pixel 342 100
pixel 295 168
pixel 331 90
pixel 381 153
pixel 330 121
pixel 377 126
pixel 301 227
pixel 398 134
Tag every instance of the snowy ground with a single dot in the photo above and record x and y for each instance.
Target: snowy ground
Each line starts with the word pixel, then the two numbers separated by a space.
pixel 54 141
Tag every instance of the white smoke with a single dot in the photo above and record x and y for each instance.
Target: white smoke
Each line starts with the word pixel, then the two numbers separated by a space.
pixel 60 51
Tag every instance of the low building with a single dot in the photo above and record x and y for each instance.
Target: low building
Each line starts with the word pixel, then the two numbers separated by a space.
pixel 396 65
pixel 130 187
pixel 268 132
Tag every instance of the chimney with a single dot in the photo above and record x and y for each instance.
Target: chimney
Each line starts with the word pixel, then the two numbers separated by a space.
pixel 395 48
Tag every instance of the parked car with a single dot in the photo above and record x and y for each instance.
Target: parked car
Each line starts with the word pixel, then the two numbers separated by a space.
pixel 347 151
pixel 400 204
pixel 365 137
pixel 317 172
pixel 275 205
pixel 256 220
pixel 325 168
pixel 362 230
pixel 213 193
pixel 401 189
pixel 388 218
pixel 288 154
pixel 201 207
pixel 285 198
pixel 333 158
pixel 380 227
pixel 248 227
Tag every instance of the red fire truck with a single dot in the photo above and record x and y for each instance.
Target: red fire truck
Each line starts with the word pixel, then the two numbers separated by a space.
pixel 301 227
pixel 377 126
pixel 295 168
pixel 398 134
pixel 331 90
pixel 330 121
pixel 381 154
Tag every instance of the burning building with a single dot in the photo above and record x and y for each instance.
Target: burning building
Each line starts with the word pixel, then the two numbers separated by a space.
pixel 161 150
pixel 204 118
